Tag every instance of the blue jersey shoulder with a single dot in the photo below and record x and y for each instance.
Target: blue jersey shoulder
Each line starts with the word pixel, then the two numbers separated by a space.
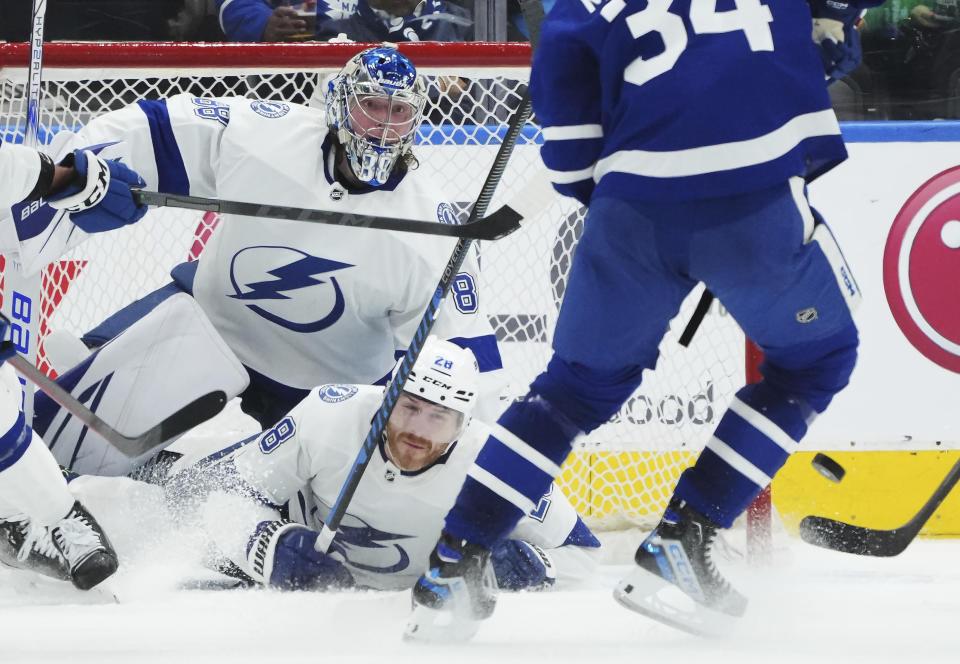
pixel 676 100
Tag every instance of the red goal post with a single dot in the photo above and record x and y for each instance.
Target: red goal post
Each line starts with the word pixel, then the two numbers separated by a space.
pixel 619 475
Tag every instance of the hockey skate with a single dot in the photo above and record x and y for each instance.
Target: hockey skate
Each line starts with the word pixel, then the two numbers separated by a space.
pixel 89 556
pixel 676 581
pixel 27 545
pixel 454 595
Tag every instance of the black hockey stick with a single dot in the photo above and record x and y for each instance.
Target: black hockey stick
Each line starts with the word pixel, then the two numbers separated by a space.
pixel 696 318
pixel 195 412
pixel 378 426
pixel 846 537
pixel 499 224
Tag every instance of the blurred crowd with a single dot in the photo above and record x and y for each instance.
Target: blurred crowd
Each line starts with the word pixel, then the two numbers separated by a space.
pixel 911 64
pixel 269 20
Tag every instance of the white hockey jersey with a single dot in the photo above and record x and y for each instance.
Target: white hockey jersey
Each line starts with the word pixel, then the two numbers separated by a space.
pixel 395 517
pixel 302 304
pixel 19 170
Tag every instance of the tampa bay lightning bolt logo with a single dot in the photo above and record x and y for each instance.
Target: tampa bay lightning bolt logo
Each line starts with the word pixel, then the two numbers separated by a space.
pixel 336 393
pixel 351 538
pixel 446 215
pixel 270 109
pixel 280 284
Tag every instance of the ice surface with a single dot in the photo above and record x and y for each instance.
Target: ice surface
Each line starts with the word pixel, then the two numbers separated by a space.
pixel 809 606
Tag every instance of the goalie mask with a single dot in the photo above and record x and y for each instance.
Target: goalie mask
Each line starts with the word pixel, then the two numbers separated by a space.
pixel 376 105
pixel 435 405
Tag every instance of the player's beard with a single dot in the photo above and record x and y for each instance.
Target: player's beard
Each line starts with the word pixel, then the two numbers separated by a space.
pixel 411 452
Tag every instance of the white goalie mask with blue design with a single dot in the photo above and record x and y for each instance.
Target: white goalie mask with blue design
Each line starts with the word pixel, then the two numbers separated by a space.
pixel 376 105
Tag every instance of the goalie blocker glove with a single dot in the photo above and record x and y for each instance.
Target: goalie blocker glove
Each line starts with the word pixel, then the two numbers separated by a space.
pixel 98 198
pixel 283 555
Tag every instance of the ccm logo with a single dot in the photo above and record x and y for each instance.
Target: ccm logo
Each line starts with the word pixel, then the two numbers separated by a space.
pixel 847 282
pixel 428 379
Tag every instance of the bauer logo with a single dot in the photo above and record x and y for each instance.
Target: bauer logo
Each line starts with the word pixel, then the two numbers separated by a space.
pixel 284 286
pixel 921 267
pixel 446 215
pixel 336 393
pixel 270 109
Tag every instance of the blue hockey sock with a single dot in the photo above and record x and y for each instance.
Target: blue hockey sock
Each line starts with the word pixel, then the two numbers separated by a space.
pixel 586 396
pixel 513 471
pixel 762 427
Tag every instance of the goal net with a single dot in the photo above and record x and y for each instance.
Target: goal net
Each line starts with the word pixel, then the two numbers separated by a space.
pixel 621 474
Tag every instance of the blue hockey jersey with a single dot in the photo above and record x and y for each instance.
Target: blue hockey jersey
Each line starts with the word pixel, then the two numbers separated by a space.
pixel 681 99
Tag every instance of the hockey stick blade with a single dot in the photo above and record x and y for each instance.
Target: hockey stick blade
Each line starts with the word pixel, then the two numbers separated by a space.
pixel 195 412
pixel 494 226
pixel 863 541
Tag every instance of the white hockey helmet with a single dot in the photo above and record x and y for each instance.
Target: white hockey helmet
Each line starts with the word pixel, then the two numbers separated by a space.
pixel 445 374
pixel 375 104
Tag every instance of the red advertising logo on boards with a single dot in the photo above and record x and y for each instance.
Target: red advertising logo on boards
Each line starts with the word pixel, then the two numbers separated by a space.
pixel 921 269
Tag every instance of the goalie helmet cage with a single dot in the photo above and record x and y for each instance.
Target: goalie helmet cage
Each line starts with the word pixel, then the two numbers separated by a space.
pixel 620 475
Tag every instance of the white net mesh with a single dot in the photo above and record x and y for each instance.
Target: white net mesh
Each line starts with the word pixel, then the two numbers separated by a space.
pixel 623 472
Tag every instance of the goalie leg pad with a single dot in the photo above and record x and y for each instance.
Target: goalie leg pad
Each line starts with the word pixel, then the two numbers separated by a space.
pixel 160 364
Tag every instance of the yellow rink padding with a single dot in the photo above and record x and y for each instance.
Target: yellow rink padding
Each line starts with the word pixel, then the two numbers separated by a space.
pixel 880 490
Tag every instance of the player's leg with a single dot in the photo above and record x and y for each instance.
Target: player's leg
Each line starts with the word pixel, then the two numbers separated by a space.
pixel 616 307
pixel 791 292
pixel 42 526
pixel 157 366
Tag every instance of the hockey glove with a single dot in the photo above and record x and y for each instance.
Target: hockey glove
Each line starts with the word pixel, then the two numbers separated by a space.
pixel 521 565
pixel 99 199
pixel 282 555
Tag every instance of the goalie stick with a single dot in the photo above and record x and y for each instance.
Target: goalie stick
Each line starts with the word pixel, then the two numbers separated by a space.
pixel 492 227
pixel 848 538
pixel 378 426
pixel 195 412
pixel 22 293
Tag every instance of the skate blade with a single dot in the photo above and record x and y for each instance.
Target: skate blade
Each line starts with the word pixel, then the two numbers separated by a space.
pixel 428 625
pixel 652 596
